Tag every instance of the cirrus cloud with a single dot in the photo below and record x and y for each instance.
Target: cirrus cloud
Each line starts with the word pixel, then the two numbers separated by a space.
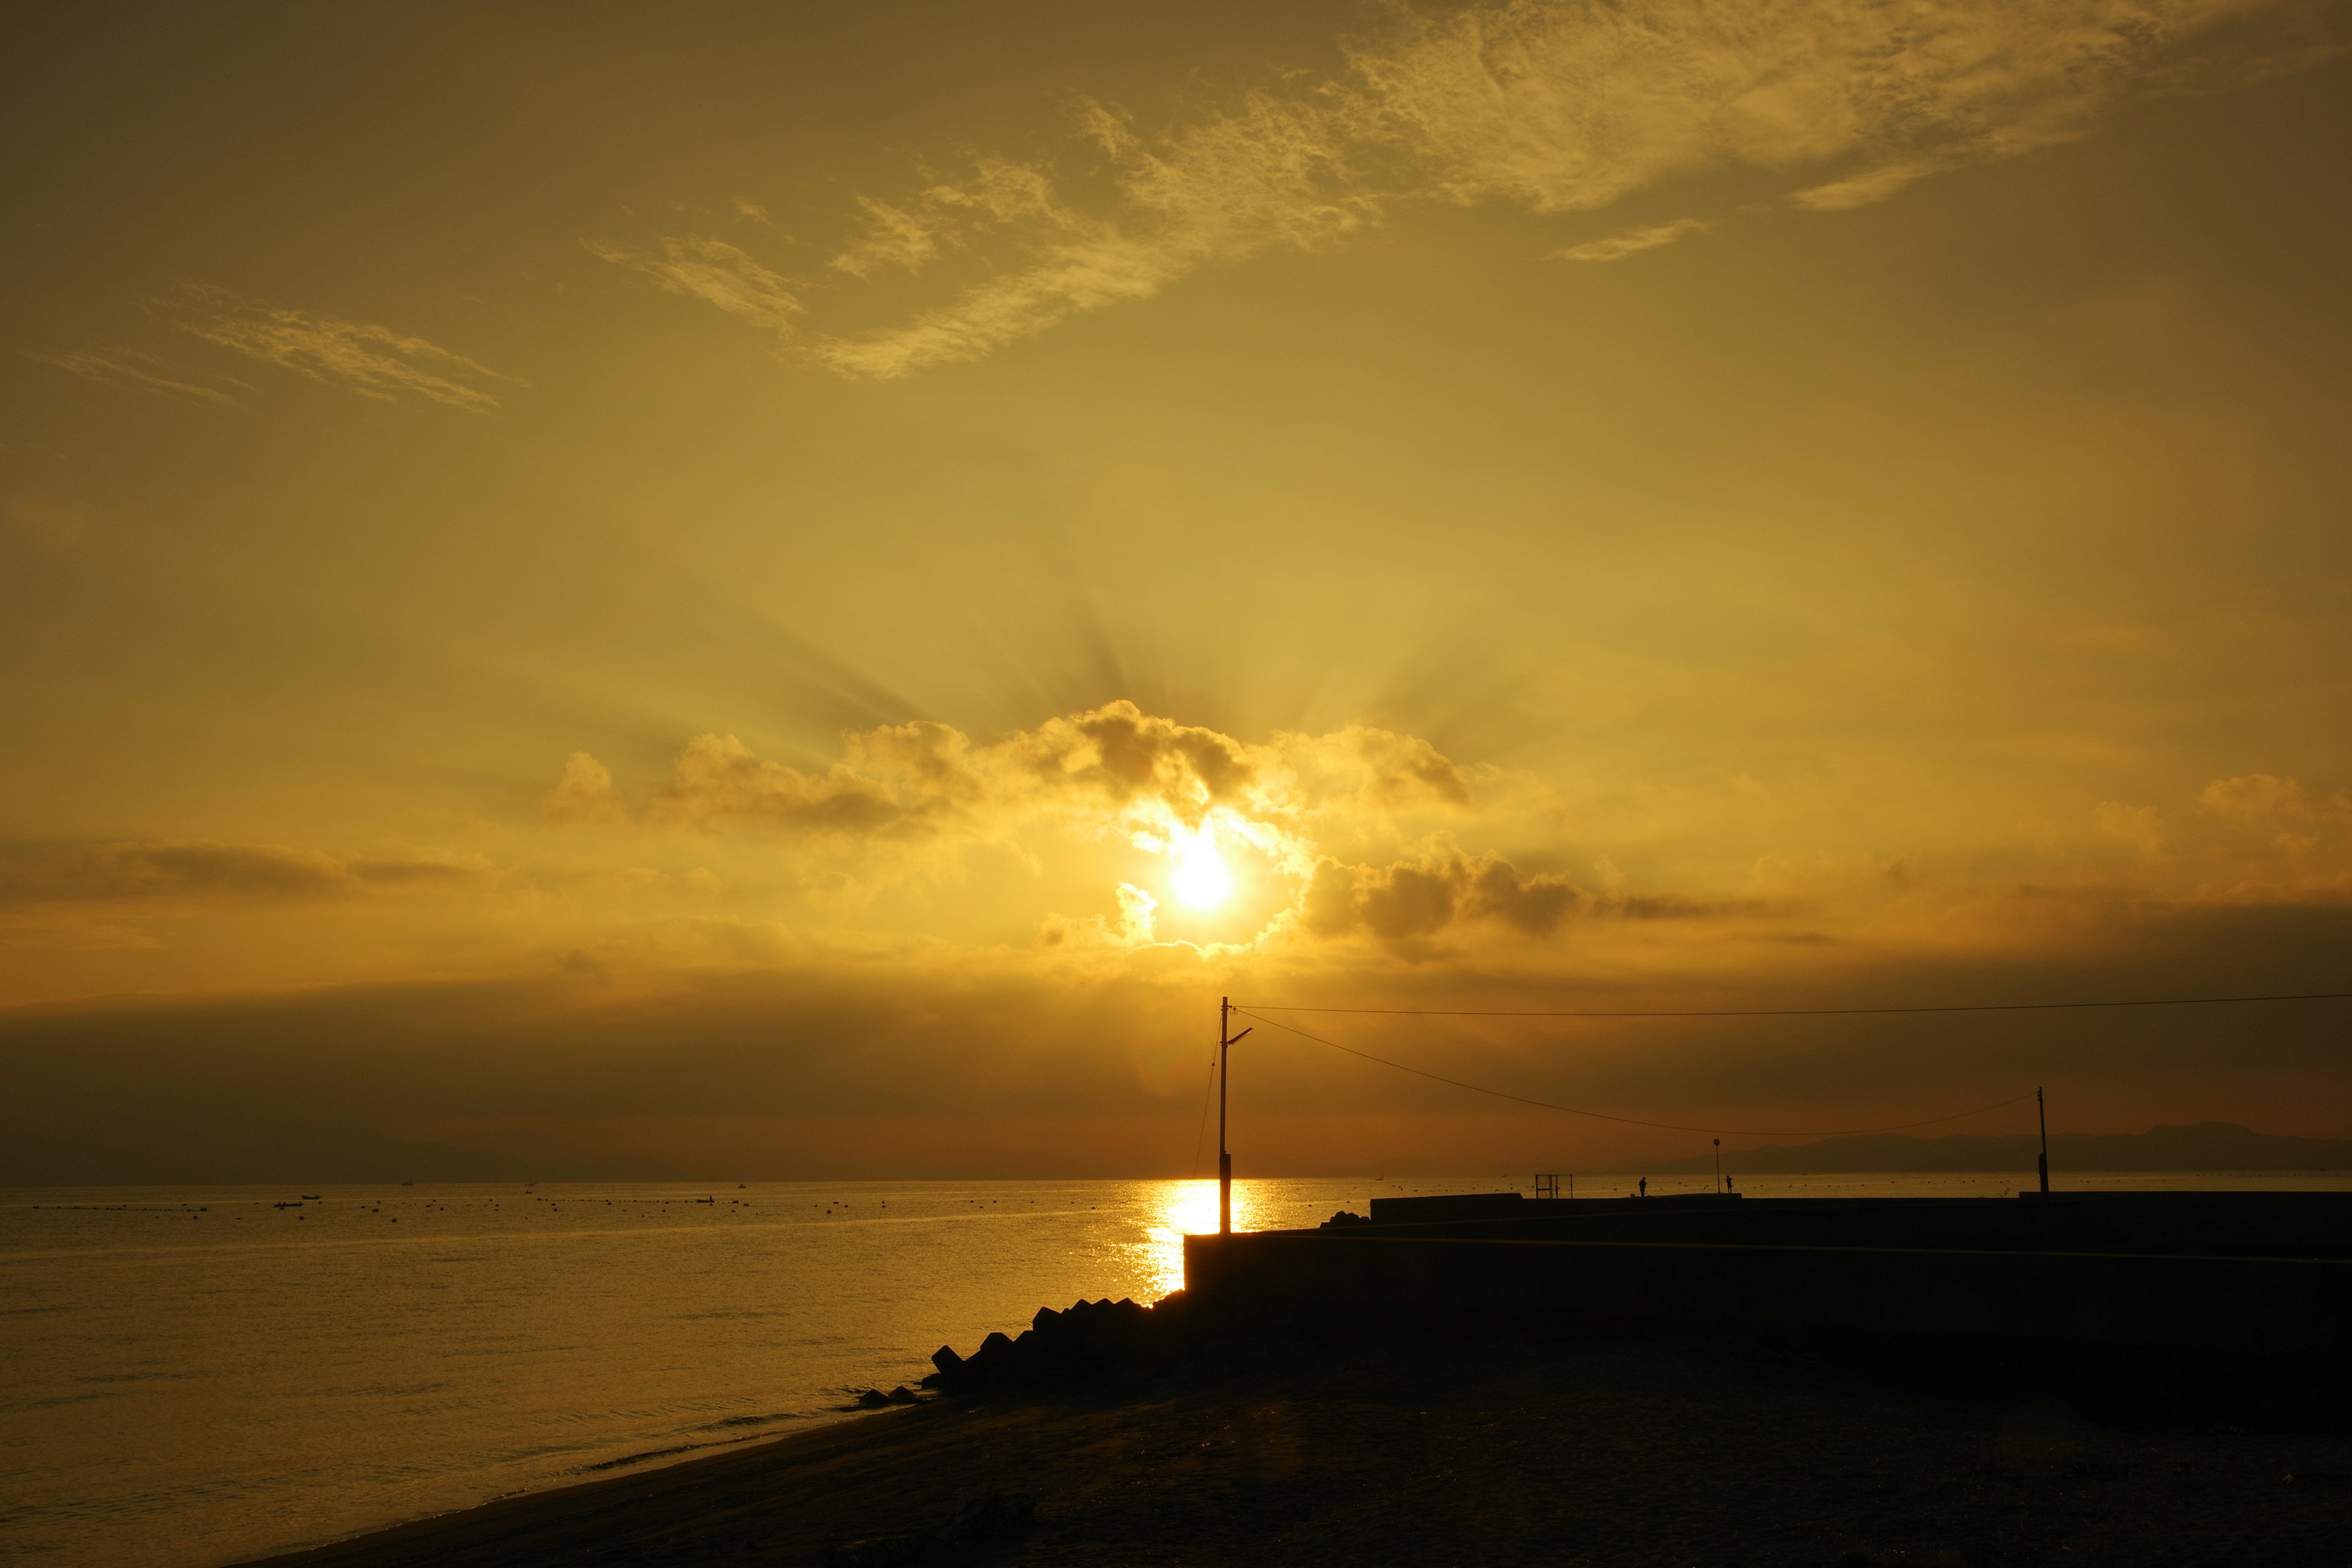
pixel 1557 107
pixel 373 360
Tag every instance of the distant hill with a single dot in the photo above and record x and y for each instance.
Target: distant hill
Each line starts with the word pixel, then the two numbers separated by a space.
pixel 2201 1146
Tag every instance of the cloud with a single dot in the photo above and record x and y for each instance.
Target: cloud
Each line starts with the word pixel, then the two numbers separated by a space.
pixel 1267 175
pixel 1133 928
pixel 946 216
pixel 584 795
pixel 1568 105
pixel 1359 768
pixel 893 237
pixel 198 871
pixel 374 362
pixel 837 1065
pixel 142 372
pixel 1554 106
pixel 1115 764
pixel 717 783
pixel 1113 777
pixel 718 274
pixel 1414 899
pixel 1861 190
pixel 1364 835
pixel 1120 768
pixel 1121 760
pixel 1633 241
pixel 2256 797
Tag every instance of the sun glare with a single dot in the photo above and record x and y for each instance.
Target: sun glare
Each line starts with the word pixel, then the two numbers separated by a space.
pixel 1189 1208
pixel 1203 879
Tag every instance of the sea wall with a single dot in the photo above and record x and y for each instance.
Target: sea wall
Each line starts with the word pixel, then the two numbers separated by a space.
pixel 2269 1306
pixel 2196 1223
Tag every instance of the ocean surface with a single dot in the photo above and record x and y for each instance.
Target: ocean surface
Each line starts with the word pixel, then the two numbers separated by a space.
pixel 196 1376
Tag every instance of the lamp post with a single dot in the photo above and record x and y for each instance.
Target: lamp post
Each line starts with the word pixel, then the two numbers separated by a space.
pixel 1225 1043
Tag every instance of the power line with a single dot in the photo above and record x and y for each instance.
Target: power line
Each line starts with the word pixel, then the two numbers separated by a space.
pixel 1627 1120
pixel 1255 1009
pixel 1202 1133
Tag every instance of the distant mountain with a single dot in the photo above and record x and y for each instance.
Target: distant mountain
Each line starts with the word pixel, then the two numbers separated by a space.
pixel 2201 1146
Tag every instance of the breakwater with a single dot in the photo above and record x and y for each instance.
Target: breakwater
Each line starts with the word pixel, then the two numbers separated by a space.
pixel 2267 1274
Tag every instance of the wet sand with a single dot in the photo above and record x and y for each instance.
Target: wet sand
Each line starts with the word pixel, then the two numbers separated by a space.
pixel 1489 1453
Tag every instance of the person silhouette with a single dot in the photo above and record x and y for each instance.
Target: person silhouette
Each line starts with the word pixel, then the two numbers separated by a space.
pixel 1642 1187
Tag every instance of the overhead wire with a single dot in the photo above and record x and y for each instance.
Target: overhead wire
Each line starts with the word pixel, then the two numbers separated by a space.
pixel 1201 1137
pixel 1627 1120
pixel 1797 1012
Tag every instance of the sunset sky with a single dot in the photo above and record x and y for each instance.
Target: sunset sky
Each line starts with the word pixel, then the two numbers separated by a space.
pixel 795 590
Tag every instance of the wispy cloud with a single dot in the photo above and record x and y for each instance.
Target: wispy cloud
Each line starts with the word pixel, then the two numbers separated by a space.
pixel 1633 241
pixel 945 215
pixel 894 237
pixel 1554 106
pixel 373 360
pixel 143 372
pixel 716 273
pixel 1872 186
pixel 1272 174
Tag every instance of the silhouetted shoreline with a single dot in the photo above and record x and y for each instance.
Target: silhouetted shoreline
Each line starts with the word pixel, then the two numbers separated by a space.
pixel 1314 1442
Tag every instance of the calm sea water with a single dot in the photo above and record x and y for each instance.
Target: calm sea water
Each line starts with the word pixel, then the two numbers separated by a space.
pixel 198 1376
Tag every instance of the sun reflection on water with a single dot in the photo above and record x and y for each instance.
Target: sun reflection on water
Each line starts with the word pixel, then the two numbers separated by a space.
pixel 1190 1208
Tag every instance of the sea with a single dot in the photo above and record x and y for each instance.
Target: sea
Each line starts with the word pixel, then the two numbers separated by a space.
pixel 206 1375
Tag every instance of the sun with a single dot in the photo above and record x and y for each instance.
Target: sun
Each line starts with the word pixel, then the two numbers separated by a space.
pixel 1203 879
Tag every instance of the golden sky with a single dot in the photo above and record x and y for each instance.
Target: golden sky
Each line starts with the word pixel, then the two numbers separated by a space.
pixel 799 590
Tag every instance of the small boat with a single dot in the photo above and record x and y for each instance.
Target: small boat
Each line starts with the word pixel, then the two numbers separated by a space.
pixel 310 1197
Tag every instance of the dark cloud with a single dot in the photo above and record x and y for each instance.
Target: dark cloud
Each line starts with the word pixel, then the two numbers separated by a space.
pixel 1112 764
pixel 198 871
pixel 1126 755
pixel 582 1067
pixel 1671 907
pixel 1411 899
pixel 922 776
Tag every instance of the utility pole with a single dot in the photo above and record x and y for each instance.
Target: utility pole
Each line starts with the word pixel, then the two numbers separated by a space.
pixel 1225 1043
pixel 2041 1115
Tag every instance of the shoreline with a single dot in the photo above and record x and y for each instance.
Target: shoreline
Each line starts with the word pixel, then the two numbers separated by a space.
pixel 1375 1450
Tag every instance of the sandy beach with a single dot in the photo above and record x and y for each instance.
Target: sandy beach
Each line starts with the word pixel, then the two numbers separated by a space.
pixel 1489 1452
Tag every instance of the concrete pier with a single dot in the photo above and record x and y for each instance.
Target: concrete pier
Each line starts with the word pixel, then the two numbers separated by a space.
pixel 2263 1274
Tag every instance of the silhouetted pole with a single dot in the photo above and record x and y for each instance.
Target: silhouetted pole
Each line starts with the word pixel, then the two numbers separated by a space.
pixel 1718 1167
pixel 2041 1115
pixel 1225 1044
